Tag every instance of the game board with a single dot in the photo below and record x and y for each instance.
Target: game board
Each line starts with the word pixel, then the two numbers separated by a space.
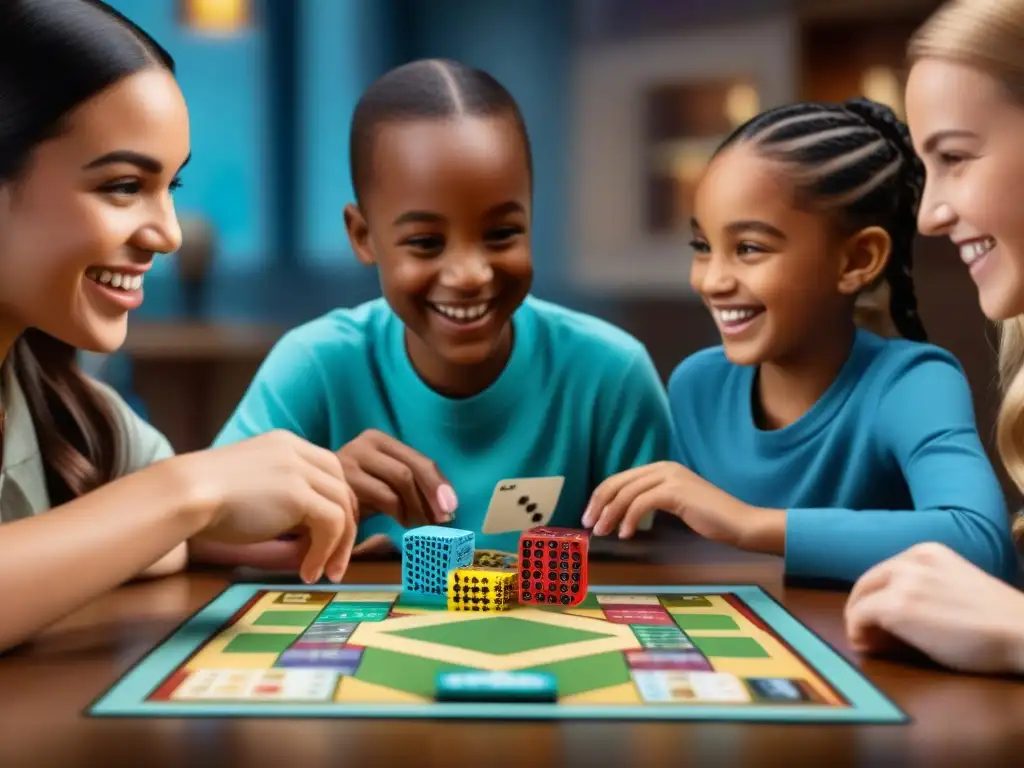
pixel 644 653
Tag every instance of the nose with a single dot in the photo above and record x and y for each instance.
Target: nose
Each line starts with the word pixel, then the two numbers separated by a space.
pixel 467 272
pixel 713 277
pixel 161 232
pixel 934 217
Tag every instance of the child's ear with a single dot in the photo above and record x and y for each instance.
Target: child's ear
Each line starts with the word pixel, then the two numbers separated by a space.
pixel 359 235
pixel 864 258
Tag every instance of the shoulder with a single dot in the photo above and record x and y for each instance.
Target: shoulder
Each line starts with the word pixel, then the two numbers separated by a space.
pixel 704 369
pixel 332 339
pixel 889 363
pixel 575 335
pixel 141 444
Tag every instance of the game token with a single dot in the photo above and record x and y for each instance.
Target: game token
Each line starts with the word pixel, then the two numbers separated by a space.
pixel 507 687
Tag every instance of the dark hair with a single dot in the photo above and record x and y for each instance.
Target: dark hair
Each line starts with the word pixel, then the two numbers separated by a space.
pixel 426 89
pixel 55 55
pixel 855 159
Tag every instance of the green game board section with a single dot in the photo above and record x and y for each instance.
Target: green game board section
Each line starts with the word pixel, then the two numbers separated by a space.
pixel 411 674
pixel 685 601
pixel 498 636
pixel 730 647
pixel 257 642
pixel 285 618
pixel 406 601
pixel 705 621
pixel 418 676
pixel 346 612
pixel 587 673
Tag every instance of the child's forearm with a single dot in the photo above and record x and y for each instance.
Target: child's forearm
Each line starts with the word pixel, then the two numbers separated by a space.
pixel 173 562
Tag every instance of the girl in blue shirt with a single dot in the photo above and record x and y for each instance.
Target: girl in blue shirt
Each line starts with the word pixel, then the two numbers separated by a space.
pixel 804 434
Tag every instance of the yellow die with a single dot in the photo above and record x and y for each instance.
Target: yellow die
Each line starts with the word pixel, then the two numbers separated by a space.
pixel 479 588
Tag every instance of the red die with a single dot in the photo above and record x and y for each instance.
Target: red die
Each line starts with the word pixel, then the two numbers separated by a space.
pixel 553 566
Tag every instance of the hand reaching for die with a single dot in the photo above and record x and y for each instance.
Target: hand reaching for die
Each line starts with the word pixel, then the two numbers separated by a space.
pixel 621 501
pixel 934 600
pixel 391 478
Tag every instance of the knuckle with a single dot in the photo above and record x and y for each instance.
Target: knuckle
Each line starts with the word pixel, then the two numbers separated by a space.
pixel 929 552
pixel 404 476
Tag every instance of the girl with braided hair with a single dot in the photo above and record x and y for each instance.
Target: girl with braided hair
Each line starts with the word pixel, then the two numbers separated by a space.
pixel 820 431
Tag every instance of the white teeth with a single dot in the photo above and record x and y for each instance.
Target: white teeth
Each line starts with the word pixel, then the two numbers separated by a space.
pixel 122 280
pixel 463 312
pixel 974 250
pixel 730 316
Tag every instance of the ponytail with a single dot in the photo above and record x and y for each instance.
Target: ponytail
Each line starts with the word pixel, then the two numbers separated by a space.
pixel 76 427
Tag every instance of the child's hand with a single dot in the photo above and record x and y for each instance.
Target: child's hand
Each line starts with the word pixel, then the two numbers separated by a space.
pixel 390 477
pixel 931 598
pixel 623 499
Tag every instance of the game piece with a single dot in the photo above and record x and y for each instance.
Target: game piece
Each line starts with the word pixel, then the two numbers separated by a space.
pixel 481 589
pixel 522 503
pixel 507 687
pixel 429 553
pixel 261 650
pixel 553 566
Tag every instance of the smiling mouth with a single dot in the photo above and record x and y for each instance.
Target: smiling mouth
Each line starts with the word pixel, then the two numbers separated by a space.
pixel 463 314
pixel 735 317
pixel 111 278
pixel 976 249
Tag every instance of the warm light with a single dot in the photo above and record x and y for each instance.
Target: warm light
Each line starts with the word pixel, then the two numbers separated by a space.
pixel 741 104
pixel 216 17
pixel 689 164
pixel 882 85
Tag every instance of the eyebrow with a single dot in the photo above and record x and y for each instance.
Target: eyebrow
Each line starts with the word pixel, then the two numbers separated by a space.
pixel 139 160
pixel 747 225
pixel 429 217
pixel 938 136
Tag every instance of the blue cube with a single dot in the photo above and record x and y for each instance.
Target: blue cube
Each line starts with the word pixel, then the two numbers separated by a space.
pixel 429 553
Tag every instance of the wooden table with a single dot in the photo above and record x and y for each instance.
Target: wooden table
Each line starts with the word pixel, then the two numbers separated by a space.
pixel 44 688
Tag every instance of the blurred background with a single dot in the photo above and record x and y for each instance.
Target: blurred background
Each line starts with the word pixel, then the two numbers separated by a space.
pixel 623 100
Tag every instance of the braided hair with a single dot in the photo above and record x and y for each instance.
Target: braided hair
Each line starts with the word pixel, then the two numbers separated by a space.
pixel 855 159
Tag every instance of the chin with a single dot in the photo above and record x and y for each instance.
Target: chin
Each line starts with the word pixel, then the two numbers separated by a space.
pixel 742 354
pixel 103 338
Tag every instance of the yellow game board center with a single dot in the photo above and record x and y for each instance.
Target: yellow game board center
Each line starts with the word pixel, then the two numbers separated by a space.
pixel 477 588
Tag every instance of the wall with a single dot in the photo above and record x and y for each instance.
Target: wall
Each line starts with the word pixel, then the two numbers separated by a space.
pixel 222 79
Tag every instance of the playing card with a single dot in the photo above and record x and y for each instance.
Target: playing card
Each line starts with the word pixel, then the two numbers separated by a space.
pixel 522 503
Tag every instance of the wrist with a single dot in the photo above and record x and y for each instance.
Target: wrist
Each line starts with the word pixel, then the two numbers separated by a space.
pixel 761 529
pixel 194 504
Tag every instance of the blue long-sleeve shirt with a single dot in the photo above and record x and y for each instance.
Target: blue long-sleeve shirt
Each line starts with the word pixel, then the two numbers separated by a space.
pixel 888 457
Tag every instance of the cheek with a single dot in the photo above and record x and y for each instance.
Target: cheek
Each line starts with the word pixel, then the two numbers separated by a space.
pixel 403 275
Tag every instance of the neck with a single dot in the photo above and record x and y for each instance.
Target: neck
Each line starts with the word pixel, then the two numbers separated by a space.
pixel 788 388
pixel 454 380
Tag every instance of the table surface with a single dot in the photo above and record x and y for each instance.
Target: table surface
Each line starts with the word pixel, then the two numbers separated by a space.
pixel 46 686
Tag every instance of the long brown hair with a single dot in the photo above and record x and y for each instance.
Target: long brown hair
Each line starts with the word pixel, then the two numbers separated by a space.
pixel 55 55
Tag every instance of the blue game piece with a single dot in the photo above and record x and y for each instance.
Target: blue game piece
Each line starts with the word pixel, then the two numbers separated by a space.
pixel 506 687
pixel 429 553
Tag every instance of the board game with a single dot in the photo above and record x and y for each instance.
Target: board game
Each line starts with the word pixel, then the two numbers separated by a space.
pixel 649 653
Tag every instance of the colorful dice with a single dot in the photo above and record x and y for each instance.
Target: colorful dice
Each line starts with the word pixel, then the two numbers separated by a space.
pixel 429 554
pixel 479 588
pixel 553 566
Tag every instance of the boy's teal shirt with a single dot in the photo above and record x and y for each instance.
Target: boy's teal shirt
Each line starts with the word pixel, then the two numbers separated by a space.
pixel 578 397
pixel 889 457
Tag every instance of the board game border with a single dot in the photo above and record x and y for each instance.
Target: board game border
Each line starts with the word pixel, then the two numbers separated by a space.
pixel 126 698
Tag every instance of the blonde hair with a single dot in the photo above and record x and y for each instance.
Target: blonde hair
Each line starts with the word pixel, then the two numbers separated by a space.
pixel 989 35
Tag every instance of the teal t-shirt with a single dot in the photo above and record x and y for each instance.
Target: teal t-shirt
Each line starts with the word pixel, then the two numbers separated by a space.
pixel 889 457
pixel 578 398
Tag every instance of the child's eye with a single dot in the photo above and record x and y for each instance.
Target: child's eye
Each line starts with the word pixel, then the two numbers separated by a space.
pixel 700 246
pixel 426 243
pixel 745 249
pixel 951 158
pixel 503 234
pixel 175 183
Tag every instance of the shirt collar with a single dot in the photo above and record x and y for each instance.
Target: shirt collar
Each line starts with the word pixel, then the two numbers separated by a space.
pixel 23 490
